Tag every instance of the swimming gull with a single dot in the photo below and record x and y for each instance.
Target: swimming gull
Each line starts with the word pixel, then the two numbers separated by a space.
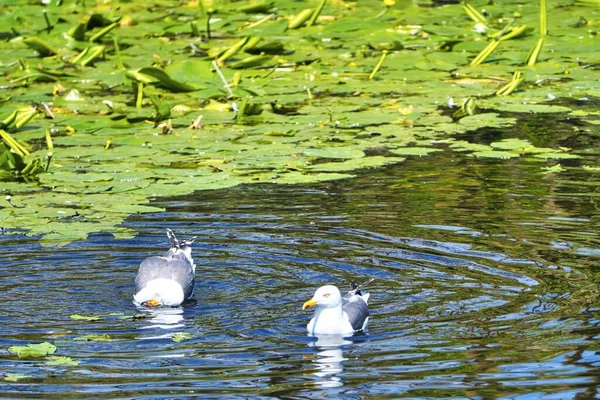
pixel 166 280
pixel 337 315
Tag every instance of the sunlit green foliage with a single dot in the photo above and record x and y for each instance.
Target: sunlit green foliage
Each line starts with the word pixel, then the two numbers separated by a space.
pixel 33 350
pixel 141 100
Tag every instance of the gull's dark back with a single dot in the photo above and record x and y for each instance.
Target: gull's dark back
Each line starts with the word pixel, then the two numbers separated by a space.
pixel 174 265
pixel 355 305
pixel 356 308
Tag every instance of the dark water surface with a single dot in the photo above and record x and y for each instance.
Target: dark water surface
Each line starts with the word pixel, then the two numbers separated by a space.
pixel 486 287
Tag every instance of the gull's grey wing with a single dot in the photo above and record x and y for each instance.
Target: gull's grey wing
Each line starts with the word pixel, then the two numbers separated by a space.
pixel 151 268
pixel 357 310
pixel 183 273
pixel 176 268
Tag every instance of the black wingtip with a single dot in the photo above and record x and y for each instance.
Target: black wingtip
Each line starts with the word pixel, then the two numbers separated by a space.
pixel 172 239
pixel 175 243
pixel 356 288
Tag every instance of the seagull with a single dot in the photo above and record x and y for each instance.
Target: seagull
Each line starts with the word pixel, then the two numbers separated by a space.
pixel 337 315
pixel 166 280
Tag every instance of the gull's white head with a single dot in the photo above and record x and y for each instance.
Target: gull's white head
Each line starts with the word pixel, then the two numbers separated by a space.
pixel 326 296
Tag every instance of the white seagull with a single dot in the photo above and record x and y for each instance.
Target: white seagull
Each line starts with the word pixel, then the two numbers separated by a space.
pixel 337 315
pixel 166 280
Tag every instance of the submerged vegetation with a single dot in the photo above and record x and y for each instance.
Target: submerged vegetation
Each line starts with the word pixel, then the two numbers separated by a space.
pixel 106 105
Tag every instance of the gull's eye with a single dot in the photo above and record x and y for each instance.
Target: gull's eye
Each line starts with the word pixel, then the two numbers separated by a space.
pixel 326 295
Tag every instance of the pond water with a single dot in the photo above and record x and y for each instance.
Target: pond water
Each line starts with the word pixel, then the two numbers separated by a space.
pixel 486 286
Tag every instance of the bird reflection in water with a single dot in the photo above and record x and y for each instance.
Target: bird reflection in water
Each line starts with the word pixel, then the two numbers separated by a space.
pixel 164 318
pixel 329 360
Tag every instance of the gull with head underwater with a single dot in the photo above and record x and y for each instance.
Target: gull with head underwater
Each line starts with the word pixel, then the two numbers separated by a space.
pixel 166 280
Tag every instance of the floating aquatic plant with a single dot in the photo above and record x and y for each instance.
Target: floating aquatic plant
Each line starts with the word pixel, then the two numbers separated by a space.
pixel 104 111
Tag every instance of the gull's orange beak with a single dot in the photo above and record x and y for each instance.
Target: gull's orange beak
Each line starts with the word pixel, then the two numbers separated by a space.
pixel 152 303
pixel 309 303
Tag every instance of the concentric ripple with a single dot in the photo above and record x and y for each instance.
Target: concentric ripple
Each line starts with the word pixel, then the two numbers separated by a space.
pixel 479 308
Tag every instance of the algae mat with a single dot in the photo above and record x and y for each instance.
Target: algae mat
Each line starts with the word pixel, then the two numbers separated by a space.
pixel 106 105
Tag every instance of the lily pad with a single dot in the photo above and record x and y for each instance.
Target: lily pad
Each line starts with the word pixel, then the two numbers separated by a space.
pixel 413 151
pixel 495 154
pixel 144 112
pixel 93 338
pixel 84 317
pixel 33 350
pixel 557 156
pixel 15 377
pixel 334 152
pixel 351 165
pixel 180 336
pixel 61 360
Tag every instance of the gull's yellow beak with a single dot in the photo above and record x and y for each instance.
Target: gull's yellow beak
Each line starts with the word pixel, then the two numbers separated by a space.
pixel 152 303
pixel 309 303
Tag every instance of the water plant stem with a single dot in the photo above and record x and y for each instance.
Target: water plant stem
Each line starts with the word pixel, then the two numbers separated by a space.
pixel 543 19
pixel 48 24
pixel 139 95
pixel 511 86
pixel 208 15
pixel 194 29
pixel 316 13
pixel 225 84
pixel 379 64
pixel 13 144
pixel 475 15
pixel 537 49
pixel 120 64
pixel 260 21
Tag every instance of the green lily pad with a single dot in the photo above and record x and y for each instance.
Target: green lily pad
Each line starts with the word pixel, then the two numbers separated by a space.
pixel 33 350
pixel 495 154
pixel 180 336
pixel 61 360
pixel 557 156
pixel 351 165
pixel 93 338
pixel 143 112
pixel 15 377
pixel 532 108
pixel 84 317
pixel 413 151
pixel 334 152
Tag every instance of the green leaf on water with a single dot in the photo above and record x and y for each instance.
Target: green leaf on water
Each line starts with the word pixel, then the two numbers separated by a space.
pixel 179 336
pixel 93 338
pixel 299 178
pixel 191 71
pixel 512 144
pixel 495 154
pixel 334 152
pixel 61 360
pixel 15 377
pixel 304 122
pixel 33 350
pixel 553 169
pixel 43 48
pixel 353 164
pixel 531 108
pixel 463 145
pixel 413 151
pixel 557 156
pixel 84 317
pixel 157 75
